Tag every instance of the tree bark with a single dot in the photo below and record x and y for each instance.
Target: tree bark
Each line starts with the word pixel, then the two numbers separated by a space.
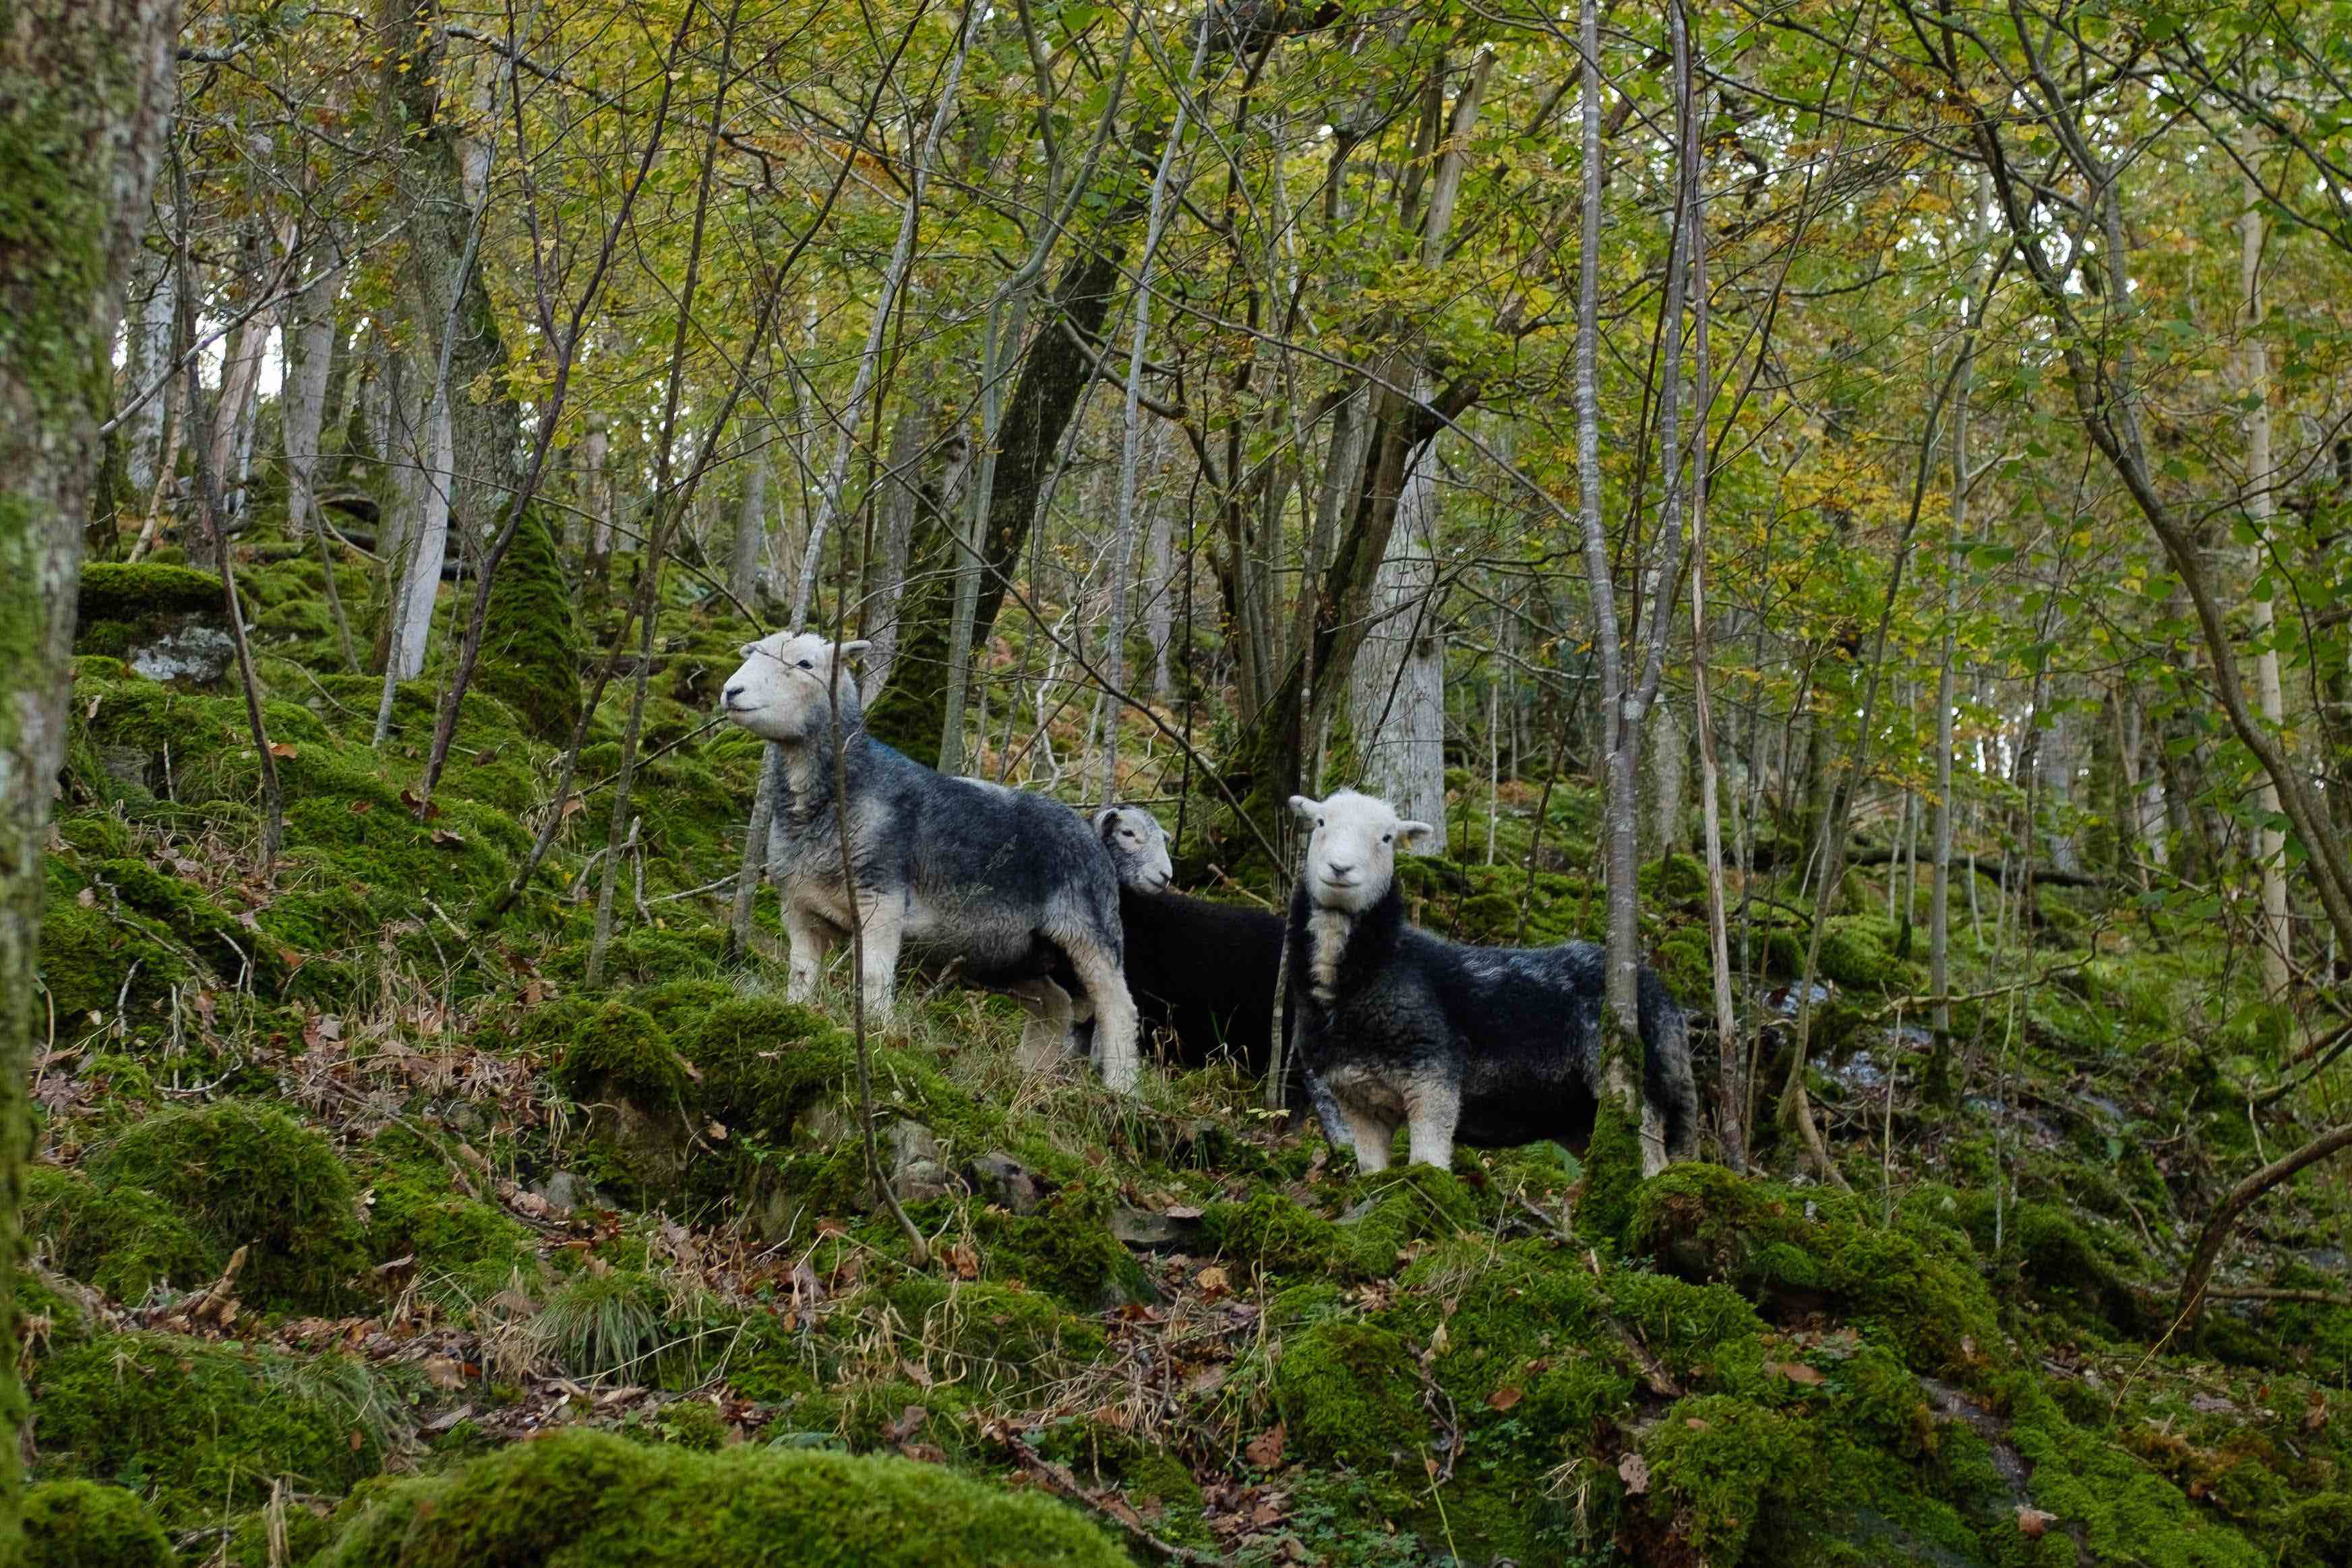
pixel 86 101
pixel 2270 844
pixel 310 348
pixel 2224 1218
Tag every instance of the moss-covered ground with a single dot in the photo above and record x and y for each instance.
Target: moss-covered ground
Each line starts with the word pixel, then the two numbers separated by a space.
pixel 367 1233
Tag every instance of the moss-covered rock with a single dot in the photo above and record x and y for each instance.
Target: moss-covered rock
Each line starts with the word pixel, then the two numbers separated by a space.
pixel 1717 1463
pixel 1066 1248
pixel 81 1524
pixel 123 1240
pixel 991 1336
pixel 414 1210
pixel 586 1499
pixel 249 1175
pixel 193 1423
pixel 1349 1394
pixel 531 650
pixel 1791 1249
pixel 620 1067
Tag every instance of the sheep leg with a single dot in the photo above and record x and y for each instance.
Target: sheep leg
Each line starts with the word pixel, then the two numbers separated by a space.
pixel 1045 1036
pixel 1115 1017
pixel 811 937
pixel 1429 1116
pixel 882 926
pixel 1371 1135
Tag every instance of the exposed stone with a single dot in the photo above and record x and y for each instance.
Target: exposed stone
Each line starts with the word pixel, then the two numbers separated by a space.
pixel 1007 1183
pixel 1149 1229
pixel 913 1155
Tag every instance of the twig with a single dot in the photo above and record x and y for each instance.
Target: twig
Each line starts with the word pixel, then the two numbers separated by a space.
pixel 1059 1480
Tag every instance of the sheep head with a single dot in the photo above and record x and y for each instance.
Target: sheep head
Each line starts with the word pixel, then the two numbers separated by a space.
pixel 786 686
pixel 1138 845
pixel 1351 858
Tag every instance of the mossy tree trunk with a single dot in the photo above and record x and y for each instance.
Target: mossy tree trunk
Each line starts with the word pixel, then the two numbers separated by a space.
pixel 85 102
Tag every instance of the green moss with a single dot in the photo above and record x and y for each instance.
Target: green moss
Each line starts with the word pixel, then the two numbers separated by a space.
pixel 1612 1169
pixel 134 590
pixel 629 1323
pixel 1153 1480
pixel 1349 1394
pixel 247 1175
pixel 531 652
pixel 123 1240
pixel 2126 1510
pixel 1790 1249
pixel 990 1336
pixel 1065 1247
pixel 192 916
pixel 414 1210
pixel 1717 1463
pixel 1271 1231
pixel 2318 1532
pixel 586 1499
pixel 764 1061
pixel 87 959
pixel 81 1524
pixel 196 1423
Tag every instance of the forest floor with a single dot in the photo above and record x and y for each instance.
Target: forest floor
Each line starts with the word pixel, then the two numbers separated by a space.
pixel 345 1197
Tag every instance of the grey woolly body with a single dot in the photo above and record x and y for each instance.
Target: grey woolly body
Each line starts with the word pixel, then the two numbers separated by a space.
pixel 994 882
pixel 1396 1026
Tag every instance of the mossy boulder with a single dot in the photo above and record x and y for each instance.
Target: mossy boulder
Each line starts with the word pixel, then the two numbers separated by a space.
pixel 1794 1249
pixel 414 1210
pixel 621 1069
pixel 193 1423
pixel 1716 1464
pixel 1065 1247
pixel 166 622
pixel 89 961
pixel 1348 1392
pixel 589 1498
pixel 123 1240
pixel 250 1175
pixel 530 649
pixel 81 1524
pixel 991 1336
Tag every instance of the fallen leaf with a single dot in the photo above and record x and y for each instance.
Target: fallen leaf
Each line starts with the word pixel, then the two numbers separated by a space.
pixel 1208 1379
pixel 964 1260
pixel 1264 1450
pixel 2032 1521
pixel 361 807
pixel 716 1131
pixel 443 1372
pixel 283 749
pixel 1795 1371
pixel 1504 1398
pixel 1635 1471
pixel 1695 1423
pixel 1214 1280
pixel 923 1453
pixel 910 1421
pixel 1439 1341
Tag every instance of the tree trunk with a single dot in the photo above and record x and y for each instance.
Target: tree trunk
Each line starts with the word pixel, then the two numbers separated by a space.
pixel 2270 844
pixel 147 357
pixel 86 100
pixel 748 554
pixel 2224 1219
pixel 1396 692
pixel 310 348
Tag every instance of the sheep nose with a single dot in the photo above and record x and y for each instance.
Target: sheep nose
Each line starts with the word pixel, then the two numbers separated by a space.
pixel 734 689
pixel 1338 872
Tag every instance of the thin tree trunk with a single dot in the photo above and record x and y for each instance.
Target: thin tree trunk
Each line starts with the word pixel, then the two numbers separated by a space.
pixel 86 101
pixel 2224 1218
pixel 310 346
pixel 749 551
pixel 2270 844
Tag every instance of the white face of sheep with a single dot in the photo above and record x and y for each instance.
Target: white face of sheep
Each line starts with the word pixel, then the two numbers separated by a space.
pixel 784 688
pixel 1138 845
pixel 1351 858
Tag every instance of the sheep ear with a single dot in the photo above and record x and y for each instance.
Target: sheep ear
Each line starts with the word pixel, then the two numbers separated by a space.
pixel 747 650
pixel 1105 820
pixel 1303 806
pixel 1413 832
pixel 851 649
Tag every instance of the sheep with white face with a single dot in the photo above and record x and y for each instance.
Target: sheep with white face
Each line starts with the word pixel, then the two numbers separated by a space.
pixel 1483 1046
pixel 1004 889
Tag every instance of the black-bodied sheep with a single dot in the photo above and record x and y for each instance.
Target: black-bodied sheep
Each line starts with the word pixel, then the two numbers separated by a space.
pixel 1005 887
pixel 1204 974
pixel 1488 1046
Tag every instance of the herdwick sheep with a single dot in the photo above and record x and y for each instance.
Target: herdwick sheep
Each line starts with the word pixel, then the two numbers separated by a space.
pixel 1002 887
pixel 1490 1046
pixel 1202 972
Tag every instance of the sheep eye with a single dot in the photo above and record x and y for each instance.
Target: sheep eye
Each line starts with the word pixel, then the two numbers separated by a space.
pixel 806 664
pixel 1388 837
pixel 1318 822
